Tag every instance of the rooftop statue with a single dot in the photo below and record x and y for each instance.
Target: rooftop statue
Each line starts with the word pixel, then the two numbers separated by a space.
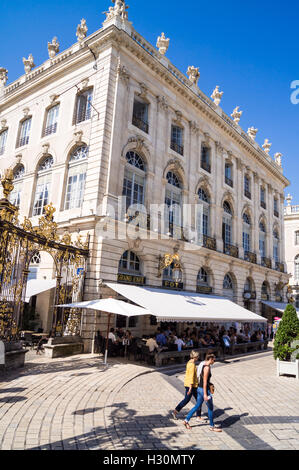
pixel 120 9
pixel 236 115
pixel 252 132
pixel 193 74
pixel 162 44
pixel 3 76
pixel 217 95
pixel 28 63
pixel 278 158
pixel 266 146
pixel 53 48
pixel 81 30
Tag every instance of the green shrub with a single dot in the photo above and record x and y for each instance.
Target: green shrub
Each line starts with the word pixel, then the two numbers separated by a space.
pixel 287 331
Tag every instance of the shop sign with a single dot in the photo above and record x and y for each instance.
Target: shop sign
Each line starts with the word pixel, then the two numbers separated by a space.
pixel 172 285
pixel 131 279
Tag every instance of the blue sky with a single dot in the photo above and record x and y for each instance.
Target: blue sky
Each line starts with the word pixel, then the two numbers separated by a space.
pixel 250 49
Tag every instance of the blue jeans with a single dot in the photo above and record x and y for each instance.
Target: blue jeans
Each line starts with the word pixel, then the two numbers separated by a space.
pixel 199 402
pixel 187 399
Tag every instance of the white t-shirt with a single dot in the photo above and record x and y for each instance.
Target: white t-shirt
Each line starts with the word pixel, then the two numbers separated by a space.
pixel 112 336
pixel 180 343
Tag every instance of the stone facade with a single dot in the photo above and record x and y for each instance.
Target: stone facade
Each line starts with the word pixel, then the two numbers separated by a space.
pixel 291 225
pixel 119 68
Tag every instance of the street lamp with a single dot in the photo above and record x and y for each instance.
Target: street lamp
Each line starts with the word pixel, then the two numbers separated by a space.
pixel 289 295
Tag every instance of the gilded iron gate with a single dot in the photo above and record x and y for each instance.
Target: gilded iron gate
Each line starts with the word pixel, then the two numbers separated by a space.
pixel 18 244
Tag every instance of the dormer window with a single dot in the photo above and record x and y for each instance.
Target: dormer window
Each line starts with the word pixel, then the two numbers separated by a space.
pixel 140 115
pixel 177 139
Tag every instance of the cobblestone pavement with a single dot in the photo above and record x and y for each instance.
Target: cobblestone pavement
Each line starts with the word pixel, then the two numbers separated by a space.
pixel 256 409
pixel 77 403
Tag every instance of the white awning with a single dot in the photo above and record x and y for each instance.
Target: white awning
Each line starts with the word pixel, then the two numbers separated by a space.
pixel 168 305
pixel 110 306
pixel 279 306
pixel 36 286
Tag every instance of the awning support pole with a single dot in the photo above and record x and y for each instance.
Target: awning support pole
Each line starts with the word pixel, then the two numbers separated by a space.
pixel 108 328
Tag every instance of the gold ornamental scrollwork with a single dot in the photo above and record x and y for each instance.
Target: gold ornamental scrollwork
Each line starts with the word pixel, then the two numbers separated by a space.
pixel 166 260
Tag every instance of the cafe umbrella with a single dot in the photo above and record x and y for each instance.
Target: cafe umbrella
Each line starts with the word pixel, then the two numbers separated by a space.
pixel 110 306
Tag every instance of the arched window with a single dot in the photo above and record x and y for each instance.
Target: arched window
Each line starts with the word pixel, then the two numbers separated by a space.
pixel 296 268
pixel 227 224
pixel 173 199
pixel 205 200
pixel 134 180
pixel 248 285
pixel 43 184
pixel 15 196
pixel 246 233
pixel 262 239
pixel 275 245
pixel 202 277
pixel 34 265
pixel 228 286
pixel 76 178
pixel 265 291
pixel 129 263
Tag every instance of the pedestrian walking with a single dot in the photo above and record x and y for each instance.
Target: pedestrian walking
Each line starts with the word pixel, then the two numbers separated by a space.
pixel 204 393
pixel 191 385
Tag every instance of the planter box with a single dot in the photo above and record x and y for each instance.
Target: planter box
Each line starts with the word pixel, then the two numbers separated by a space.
pixel 14 356
pixel 290 368
pixel 64 346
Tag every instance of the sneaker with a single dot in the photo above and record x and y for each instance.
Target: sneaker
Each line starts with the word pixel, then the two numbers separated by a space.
pixel 174 414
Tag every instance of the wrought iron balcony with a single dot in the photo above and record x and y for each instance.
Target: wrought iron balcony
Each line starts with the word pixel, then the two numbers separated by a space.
pixel 229 182
pixel 276 213
pixel 231 250
pixel 251 257
pixel 50 130
pixel 263 204
pixel 177 147
pixel 140 123
pixel 247 194
pixel 209 242
pixel 23 141
pixel 266 262
pixel 279 266
pixel 205 166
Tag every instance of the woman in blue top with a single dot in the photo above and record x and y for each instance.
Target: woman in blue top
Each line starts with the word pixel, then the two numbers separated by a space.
pixel 204 394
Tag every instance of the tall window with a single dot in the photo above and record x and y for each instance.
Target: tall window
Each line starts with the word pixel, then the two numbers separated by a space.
pixel 134 179
pixel 265 291
pixel 227 224
pixel 43 184
pixel 246 233
pixel 275 246
pixel 140 115
pixel 34 265
pixel 297 237
pixel 15 196
pixel 3 139
pixel 228 286
pixel 173 200
pixel 247 189
pixel 205 158
pixel 296 268
pixel 176 141
pixel 202 277
pixel 262 239
pixel 263 197
pixel 129 263
pixel 205 200
pixel 24 132
pixel 51 121
pixel 83 106
pixel 275 204
pixel 76 178
pixel 229 174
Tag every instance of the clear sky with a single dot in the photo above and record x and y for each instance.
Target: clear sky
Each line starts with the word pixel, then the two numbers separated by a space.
pixel 250 49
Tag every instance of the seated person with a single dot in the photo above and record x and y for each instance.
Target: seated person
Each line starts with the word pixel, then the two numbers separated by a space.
pixel 209 340
pixel 161 339
pixel 225 339
pixel 188 342
pixel 151 343
pixel 253 337
pixel 180 343
pixel 120 333
pixel 202 342
pixel 112 336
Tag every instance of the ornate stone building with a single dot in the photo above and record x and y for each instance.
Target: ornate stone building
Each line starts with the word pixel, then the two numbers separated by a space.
pixel 291 223
pixel 112 116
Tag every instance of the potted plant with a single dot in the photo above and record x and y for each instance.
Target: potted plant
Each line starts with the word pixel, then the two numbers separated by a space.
pixel 285 343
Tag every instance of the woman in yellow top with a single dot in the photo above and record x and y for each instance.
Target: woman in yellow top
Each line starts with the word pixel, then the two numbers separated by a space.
pixel 191 384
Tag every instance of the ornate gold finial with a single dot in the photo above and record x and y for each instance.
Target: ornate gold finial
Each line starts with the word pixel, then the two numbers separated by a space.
pixel 7 182
pixel 49 211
